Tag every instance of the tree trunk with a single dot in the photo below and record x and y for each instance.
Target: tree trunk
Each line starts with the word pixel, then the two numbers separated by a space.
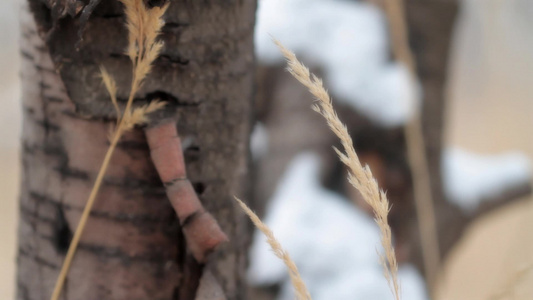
pixel 431 25
pixel 133 246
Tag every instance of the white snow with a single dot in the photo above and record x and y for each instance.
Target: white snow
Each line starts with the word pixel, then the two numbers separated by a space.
pixel 349 41
pixel 332 242
pixel 470 178
pixel 259 141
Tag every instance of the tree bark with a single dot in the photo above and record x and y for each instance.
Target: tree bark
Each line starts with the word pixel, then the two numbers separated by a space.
pixel 133 246
pixel 431 25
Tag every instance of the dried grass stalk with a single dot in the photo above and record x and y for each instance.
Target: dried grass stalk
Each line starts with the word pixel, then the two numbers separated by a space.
pixel 139 115
pixel 144 26
pixel 297 282
pixel 416 151
pixel 360 177
pixel 111 87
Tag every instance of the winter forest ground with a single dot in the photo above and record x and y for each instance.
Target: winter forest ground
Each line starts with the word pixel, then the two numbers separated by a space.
pixel 489 112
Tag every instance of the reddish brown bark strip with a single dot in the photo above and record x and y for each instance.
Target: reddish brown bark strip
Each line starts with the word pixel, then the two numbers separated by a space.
pixel 201 230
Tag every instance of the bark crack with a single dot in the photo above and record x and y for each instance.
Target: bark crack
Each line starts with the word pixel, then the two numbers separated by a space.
pixel 62 232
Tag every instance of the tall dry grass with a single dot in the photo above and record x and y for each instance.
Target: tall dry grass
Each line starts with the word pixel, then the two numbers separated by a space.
pixel 416 151
pixel 144 25
pixel 297 282
pixel 360 177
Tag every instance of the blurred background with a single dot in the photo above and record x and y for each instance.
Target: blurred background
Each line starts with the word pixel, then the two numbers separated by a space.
pixel 299 186
pixel 10 124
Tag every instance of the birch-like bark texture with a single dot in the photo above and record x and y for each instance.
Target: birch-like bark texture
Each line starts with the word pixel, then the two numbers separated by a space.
pixel 133 246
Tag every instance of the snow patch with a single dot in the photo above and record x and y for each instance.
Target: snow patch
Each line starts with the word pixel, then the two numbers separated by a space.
pixel 259 141
pixel 331 241
pixel 349 41
pixel 470 178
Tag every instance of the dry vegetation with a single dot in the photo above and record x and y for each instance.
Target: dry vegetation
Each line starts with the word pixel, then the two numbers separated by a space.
pixel 360 177
pixel 297 282
pixel 416 151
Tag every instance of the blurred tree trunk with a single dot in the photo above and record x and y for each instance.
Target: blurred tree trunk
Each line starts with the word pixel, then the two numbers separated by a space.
pixel 132 247
pixel 431 25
